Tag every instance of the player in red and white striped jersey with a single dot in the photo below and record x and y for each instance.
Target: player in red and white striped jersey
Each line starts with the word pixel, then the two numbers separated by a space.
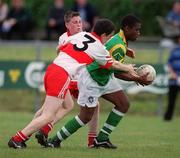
pixel 80 50
pixel 74 25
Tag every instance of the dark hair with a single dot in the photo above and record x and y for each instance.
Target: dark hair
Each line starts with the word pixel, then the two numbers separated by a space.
pixel 104 26
pixel 69 15
pixel 129 20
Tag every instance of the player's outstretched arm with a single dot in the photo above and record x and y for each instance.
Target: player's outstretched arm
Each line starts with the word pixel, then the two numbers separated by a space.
pixel 124 76
pixel 138 79
pixel 130 68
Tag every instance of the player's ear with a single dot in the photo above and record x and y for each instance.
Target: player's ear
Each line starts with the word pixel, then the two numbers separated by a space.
pixel 103 38
pixel 66 24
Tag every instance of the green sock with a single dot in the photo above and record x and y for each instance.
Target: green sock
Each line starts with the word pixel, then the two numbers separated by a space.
pixel 112 121
pixel 68 129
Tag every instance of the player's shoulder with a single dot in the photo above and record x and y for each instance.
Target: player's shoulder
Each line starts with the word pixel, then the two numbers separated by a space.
pixel 115 39
pixel 63 36
pixel 81 34
pixel 87 36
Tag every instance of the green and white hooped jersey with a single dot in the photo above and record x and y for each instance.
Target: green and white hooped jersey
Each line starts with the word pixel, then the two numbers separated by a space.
pixel 117 48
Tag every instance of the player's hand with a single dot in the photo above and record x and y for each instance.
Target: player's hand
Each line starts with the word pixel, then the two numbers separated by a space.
pixel 130 53
pixel 132 70
pixel 142 80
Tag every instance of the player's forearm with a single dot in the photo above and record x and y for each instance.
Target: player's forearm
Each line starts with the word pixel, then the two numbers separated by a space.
pixel 125 76
pixel 119 66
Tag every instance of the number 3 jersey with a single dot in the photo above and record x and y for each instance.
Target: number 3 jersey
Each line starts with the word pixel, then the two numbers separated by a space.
pixel 80 50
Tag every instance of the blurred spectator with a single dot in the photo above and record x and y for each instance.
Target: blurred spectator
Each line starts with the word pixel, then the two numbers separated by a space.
pixel 18 22
pixel 174 15
pixel 87 12
pixel 170 24
pixel 55 21
pixel 3 13
pixel 174 79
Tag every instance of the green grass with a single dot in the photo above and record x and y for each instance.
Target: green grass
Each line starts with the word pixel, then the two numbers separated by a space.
pixel 27 52
pixel 137 136
pixel 144 104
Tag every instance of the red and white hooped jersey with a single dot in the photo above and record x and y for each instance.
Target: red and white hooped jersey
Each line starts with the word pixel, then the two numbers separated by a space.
pixel 63 38
pixel 82 49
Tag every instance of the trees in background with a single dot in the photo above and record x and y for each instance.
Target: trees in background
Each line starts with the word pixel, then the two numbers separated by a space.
pixel 147 10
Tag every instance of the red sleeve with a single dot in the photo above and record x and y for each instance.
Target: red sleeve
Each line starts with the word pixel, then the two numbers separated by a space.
pixel 108 63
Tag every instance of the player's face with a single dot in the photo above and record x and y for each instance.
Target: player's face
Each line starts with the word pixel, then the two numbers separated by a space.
pixel 134 32
pixel 74 25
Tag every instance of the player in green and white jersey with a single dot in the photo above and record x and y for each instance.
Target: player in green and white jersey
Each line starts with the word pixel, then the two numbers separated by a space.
pixel 106 84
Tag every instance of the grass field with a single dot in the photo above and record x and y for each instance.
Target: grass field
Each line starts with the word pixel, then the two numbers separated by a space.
pixel 137 136
pixel 144 104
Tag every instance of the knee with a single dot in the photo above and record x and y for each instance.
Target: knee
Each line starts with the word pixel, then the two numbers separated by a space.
pixel 38 113
pixel 123 106
pixel 48 117
pixel 86 114
pixel 85 118
pixel 70 107
pixel 126 107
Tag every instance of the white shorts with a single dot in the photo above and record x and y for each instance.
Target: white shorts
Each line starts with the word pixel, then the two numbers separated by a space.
pixel 90 91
